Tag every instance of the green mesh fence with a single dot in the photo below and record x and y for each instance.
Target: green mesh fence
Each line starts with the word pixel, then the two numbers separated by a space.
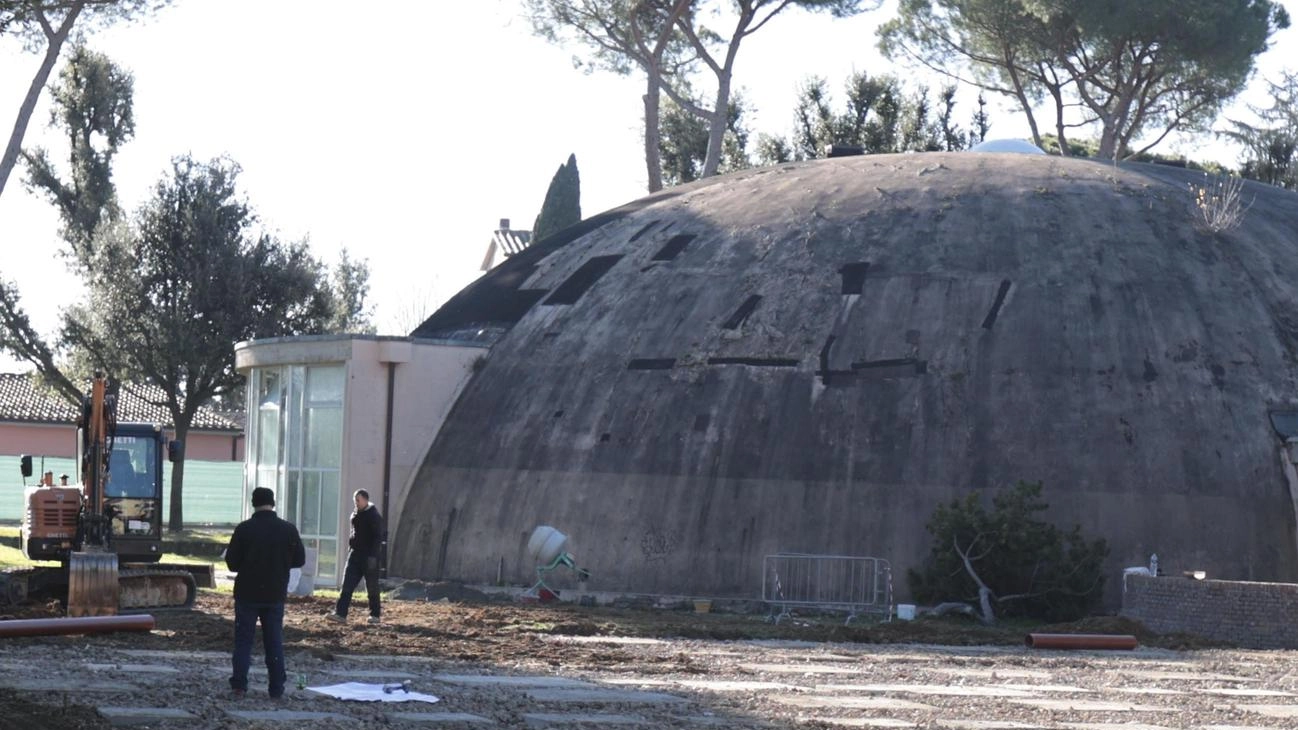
pixel 213 489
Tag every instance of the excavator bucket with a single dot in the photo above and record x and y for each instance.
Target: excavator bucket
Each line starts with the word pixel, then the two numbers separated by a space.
pixel 92 584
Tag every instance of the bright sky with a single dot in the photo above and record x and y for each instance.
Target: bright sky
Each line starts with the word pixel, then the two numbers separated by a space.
pixel 403 135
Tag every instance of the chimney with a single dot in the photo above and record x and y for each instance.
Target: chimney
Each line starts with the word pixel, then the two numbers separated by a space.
pixel 504 224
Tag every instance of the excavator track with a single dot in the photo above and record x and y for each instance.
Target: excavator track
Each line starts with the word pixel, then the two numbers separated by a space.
pixel 143 589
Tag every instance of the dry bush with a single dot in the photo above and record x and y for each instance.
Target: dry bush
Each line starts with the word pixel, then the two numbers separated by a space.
pixel 1219 203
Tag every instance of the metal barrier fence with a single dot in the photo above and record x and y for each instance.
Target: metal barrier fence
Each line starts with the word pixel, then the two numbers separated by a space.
pixel 828 582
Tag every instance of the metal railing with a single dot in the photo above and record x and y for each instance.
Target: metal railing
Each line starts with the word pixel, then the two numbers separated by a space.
pixel 857 585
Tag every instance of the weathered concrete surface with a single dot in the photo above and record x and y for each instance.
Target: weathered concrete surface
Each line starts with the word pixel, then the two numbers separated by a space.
pixel 1129 365
pixel 437 718
pixel 144 715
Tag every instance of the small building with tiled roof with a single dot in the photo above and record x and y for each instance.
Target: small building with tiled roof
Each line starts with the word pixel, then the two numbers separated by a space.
pixel 34 419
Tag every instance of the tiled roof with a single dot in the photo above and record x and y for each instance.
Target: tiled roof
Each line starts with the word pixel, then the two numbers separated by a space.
pixel 22 399
pixel 505 242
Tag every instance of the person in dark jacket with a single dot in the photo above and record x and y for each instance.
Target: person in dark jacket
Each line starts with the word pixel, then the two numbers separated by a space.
pixel 366 544
pixel 262 550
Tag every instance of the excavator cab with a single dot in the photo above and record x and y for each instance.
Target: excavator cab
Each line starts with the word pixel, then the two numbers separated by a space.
pixel 107 528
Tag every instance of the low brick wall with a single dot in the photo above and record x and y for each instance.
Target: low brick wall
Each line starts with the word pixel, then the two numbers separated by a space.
pixel 1250 615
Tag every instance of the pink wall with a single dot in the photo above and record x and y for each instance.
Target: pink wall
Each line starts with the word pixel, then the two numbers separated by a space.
pixel 41 439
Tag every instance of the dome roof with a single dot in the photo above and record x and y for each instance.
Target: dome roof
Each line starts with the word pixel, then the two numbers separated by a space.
pixel 811 357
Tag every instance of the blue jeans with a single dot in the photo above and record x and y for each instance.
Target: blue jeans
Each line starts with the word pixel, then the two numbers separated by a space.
pixel 271 616
pixel 359 566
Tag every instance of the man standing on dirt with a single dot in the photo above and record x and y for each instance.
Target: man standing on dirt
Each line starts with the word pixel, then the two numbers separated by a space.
pixel 262 550
pixel 362 559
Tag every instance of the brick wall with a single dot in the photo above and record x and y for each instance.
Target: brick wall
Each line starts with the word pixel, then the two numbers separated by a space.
pixel 1250 615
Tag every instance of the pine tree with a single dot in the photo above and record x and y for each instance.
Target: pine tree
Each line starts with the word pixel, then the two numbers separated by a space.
pixel 562 206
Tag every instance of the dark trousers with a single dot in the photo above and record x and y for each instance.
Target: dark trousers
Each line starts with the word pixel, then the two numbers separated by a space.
pixel 359 566
pixel 271 616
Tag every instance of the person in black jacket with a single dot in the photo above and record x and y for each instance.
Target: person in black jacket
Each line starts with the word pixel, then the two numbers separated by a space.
pixel 262 550
pixel 366 543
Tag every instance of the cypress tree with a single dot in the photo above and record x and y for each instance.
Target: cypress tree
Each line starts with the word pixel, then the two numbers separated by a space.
pixel 562 206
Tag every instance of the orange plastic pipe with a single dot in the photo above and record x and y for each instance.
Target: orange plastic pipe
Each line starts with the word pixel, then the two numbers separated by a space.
pixel 1081 641
pixel 82 625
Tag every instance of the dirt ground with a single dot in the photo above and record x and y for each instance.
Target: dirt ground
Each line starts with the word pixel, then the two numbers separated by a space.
pixel 612 646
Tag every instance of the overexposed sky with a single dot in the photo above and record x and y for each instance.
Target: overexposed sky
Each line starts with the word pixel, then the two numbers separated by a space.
pixel 403 130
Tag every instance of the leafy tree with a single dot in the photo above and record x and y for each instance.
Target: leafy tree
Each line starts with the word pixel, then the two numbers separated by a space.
pixel 349 286
pixel 562 205
pixel 47 24
pixel 622 35
pixel 170 291
pixel 1133 68
pixel 719 52
pixel 684 143
pixel 879 116
pixel 1009 560
pixel 93 104
pixel 1271 143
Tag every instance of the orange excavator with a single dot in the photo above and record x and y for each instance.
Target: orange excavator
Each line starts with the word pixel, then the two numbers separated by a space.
pixel 106 533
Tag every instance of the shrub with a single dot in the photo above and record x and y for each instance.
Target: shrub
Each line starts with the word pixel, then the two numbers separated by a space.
pixel 1008 561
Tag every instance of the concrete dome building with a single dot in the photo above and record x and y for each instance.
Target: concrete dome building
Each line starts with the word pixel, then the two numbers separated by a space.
pixel 811 357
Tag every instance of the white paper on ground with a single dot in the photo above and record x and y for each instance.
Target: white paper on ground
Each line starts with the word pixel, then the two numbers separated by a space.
pixel 361 692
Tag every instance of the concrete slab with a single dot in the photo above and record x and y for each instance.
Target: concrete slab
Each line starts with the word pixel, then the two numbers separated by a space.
pixel 1231 727
pixel 733 686
pixel 371 674
pixel 388 658
pixel 1111 726
pixel 1144 690
pixel 1285 711
pixel 618 640
pixel 63 685
pixel 638 682
pixel 849 703
pixel 796 668
pixel 595 696
pixel 568 718
pixel 143 715
pixel 1090 706
pixel 284 715
pixel 1226 692
pixel 944 690
pixel 133 668
pixel 509 680
pixel 989 725
pixel 1049 688
pixel 186 655
pixel 993 673
pixel 434 718
pixel 863 722
pixel 1184 676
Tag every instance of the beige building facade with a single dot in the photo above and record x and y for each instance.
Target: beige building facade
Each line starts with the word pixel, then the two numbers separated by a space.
pixel 328 415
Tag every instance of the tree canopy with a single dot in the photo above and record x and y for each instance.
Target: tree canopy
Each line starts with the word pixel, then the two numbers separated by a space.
pixel 47 24
pixel 1137 70
pixel 562 205
pixel 1271 141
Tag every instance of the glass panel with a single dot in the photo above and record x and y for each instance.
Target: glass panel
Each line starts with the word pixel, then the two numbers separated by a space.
pixel 325 384
pixel 295 415
pixel 324 437
pixel 289 505
pixel 131 467
pixel 328 557
pixel 329 503
pixel 310 514
pixel 267 477
pixel 268 408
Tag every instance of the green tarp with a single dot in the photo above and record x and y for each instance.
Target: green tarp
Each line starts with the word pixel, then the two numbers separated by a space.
pixel 213 489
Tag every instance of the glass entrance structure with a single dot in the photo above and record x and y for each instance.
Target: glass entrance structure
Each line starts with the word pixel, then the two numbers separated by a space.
pixel 295 446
